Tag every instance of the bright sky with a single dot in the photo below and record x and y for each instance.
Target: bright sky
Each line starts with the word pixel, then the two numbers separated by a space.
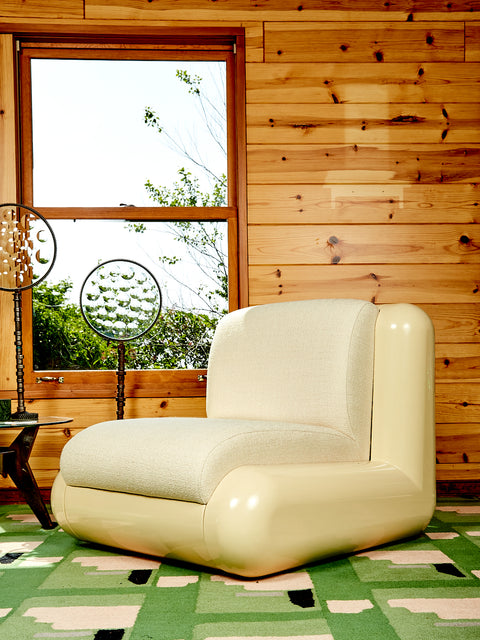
pixel 93 148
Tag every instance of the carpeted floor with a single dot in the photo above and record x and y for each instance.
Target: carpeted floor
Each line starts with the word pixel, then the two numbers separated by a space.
pixel 52 586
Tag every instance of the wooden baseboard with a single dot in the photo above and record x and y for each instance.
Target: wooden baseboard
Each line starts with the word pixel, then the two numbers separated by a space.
pixel 459 489
pixel 14 496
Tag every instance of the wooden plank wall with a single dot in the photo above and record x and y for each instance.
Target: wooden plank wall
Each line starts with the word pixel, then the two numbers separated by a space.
pixel 363 151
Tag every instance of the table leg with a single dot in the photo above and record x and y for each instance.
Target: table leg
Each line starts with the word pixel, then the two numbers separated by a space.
pixel 19 470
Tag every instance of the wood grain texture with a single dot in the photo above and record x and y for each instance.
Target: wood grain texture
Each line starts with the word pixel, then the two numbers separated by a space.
pixel 459 323
pixel 363 124
pixel 8 193
pixel 42 9
pixel 417 284
pixel 457 362
pixel 401 10
pixel 368 204
pixel 472 42
pixel 364 42
pixel 394 163
pixel 138 384
pixel 364 244
pixel 458 443
pixel 457 402
pixel 375 88
pixel 331 83
pixel 456 472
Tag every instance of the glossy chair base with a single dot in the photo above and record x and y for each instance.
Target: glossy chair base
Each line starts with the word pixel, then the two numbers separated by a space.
pixel 262 519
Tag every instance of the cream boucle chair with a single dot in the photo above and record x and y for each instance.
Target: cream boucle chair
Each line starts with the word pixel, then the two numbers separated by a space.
pixel 319 440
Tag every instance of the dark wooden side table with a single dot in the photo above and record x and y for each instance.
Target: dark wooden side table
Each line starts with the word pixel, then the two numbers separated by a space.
pixel 14 463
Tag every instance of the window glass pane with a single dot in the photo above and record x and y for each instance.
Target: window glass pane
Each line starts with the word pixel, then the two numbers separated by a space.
pixel 102 129
pixel 188 260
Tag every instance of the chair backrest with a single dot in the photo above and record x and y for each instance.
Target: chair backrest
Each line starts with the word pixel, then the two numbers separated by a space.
pixel 308 362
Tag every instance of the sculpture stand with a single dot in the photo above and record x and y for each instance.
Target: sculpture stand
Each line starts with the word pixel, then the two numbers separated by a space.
pixel 20 413
pixel 121 380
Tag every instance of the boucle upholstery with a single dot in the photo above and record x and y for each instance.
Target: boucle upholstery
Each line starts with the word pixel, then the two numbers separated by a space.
pixel 309 362
pixel 185 458
pixel 287 383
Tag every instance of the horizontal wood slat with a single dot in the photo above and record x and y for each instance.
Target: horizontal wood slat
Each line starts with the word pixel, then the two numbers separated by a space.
pixel 458 443
pixel 364 42
pixel 138 384
pixel 472 42
pixel 457 362
pixel 365 123
pixel 41 8
pixel 395 163
pixel 364 244
pixel 330 83
pixel 417 284
pixel 456 472
pixel 368 204
pixel 454 323
pixel 457 402
pixel 401 10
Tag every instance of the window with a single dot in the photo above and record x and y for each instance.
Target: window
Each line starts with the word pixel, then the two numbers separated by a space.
pixel 130 150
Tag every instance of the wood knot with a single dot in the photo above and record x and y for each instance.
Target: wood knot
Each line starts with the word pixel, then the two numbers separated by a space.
pixel 163 404
pixel 465 239
pixel 378 56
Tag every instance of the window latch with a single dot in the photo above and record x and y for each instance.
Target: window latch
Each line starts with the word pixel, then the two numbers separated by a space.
pixel 60 379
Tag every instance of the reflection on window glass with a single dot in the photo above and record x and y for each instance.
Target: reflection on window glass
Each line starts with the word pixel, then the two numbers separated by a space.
pixel 189 261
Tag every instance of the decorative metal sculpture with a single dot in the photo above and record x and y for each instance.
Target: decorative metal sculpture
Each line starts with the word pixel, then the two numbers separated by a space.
pixel 28 250
pixel 120 300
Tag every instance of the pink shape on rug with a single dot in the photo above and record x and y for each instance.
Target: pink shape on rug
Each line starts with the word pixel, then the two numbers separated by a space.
pixel 322 636
pixel 176 581
pixel 463 510
pixel 284 582
pixel 20 546
pixel 117 563
pixel 445 608
pixel 349 606
pixel 417 556
pixel 38 561
pixel 75 618
pixel 24 518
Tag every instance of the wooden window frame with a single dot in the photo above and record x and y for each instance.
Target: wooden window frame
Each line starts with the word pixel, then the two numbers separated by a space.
pixel 169 44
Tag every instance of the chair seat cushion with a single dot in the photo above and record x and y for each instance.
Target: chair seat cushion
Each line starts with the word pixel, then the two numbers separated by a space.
pixel 186 458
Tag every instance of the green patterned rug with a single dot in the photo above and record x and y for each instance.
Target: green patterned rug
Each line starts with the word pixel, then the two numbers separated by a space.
pixel 52 586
